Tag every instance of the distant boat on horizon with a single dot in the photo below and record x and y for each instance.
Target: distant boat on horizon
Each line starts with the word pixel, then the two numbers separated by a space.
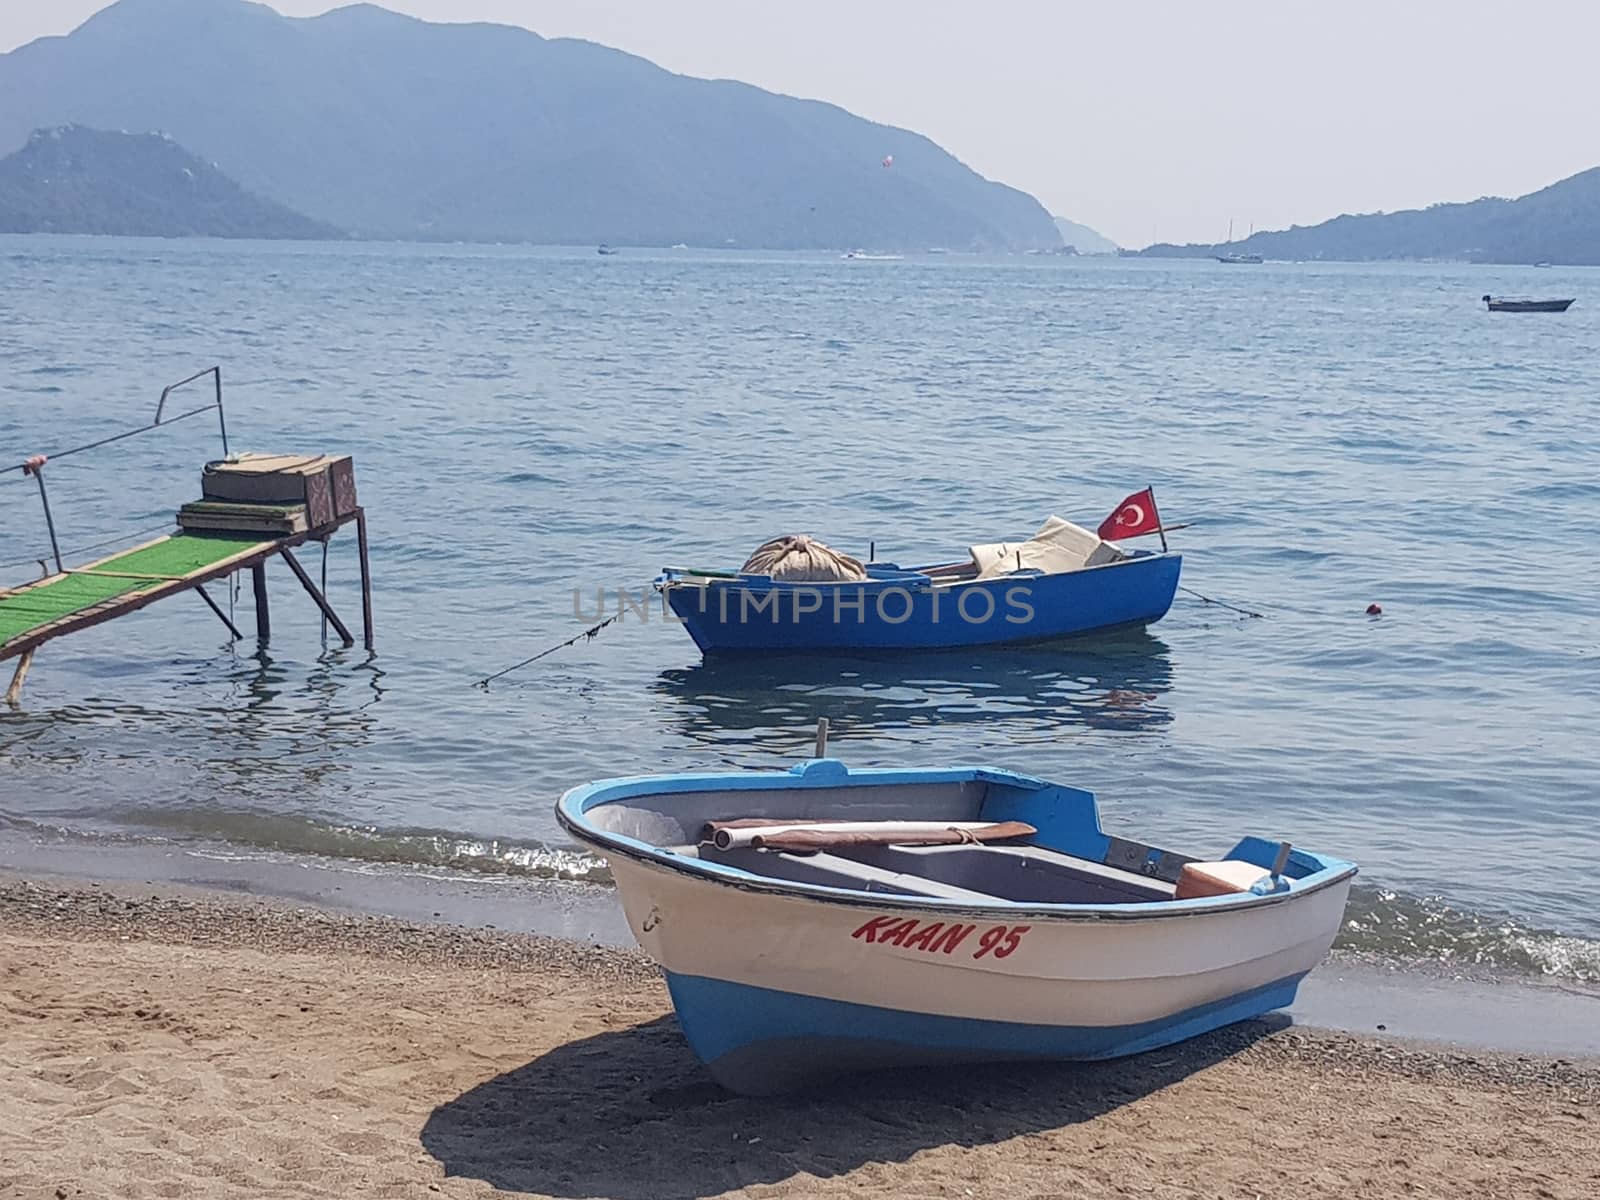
pixel 1234 258
pixel 602 248
pixel 1501 304
pixel 862 254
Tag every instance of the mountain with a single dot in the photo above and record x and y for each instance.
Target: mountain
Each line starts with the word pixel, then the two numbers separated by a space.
pixel 1557 224
pixel 1083 239
pixel 77 180
pixel 392 127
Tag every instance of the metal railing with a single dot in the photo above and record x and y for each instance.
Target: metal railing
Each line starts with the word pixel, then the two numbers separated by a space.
pixel 35 464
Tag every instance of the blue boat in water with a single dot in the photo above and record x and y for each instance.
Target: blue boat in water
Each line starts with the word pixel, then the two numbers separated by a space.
pixel 1065 580
pixel 825 920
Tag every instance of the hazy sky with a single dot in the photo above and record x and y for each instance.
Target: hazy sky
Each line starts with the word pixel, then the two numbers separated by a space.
pixel 1148 120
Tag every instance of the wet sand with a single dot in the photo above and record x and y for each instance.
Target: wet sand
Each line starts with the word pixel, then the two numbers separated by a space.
pixel 157 1041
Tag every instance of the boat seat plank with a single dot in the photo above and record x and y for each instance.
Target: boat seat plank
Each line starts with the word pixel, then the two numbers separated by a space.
pixel 833 870
pixel 1041 854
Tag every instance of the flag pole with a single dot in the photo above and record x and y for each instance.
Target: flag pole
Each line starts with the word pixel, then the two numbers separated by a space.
pixel 1161 529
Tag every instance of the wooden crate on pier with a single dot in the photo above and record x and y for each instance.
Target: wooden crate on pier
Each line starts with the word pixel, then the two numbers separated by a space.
pixel 324 483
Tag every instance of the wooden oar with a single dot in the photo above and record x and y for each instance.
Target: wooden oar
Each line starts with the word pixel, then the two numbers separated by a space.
pixel 819 835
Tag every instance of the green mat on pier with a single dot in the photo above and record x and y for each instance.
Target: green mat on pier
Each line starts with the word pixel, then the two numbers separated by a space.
pixel 181 555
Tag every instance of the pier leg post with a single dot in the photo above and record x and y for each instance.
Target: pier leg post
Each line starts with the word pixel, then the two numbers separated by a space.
pixel 366 577
pixel 258 581
pixel 311 590
pixel 221 616
pixel 14 692
pixel 324 586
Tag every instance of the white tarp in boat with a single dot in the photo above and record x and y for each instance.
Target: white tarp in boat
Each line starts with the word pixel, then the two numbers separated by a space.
pixel 1058 547
pixel 798 558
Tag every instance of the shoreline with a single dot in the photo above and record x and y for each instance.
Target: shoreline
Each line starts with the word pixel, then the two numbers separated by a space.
pixel 161 1040
pixel 1460 1006
pixel 208 917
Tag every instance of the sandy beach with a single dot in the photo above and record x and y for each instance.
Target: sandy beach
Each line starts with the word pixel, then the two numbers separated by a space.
pixel 156 1042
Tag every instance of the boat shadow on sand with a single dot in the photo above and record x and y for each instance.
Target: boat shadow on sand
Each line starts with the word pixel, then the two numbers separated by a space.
pixel 600 1116
pixel 1115 682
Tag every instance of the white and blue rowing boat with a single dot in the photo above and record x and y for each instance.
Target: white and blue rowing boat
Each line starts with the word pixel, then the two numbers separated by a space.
pixel 826 920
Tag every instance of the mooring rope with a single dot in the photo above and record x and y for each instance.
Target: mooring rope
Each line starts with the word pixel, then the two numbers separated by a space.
pixel 1220 603
pixel 586 636
pixel 589 634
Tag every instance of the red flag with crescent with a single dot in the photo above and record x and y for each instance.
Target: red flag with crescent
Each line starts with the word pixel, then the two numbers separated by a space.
pixel 1134 517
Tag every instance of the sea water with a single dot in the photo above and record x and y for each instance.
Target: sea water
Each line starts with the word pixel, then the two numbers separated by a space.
pixel 536 431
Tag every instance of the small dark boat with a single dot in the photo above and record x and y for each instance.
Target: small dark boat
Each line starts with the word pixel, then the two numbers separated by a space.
pixel 1503 305
pixel 605 249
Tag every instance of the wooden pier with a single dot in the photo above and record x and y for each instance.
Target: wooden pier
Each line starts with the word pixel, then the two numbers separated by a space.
pixel 253 507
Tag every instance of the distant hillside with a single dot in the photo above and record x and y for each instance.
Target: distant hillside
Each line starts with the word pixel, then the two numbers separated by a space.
pixel 392 127
pixel 76 180
pixel 1558 224
pixel 1083 239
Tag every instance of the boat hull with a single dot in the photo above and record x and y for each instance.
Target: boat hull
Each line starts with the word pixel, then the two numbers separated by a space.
pixel 758 1042
pixel 755 615
pixel 774 990
pixel 1529 306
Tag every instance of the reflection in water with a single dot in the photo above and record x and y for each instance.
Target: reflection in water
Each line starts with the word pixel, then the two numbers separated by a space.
pixel 1112 683
pixel 257 732
pixel 270 758
pixel 295 724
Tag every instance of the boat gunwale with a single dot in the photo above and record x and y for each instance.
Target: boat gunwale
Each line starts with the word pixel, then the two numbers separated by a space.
pixel 915 577
pixel 570 816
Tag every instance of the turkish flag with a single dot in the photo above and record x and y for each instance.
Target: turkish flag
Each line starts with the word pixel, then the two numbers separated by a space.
pixel 1134 517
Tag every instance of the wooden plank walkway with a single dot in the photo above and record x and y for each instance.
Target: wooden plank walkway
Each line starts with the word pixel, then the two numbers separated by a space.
pixel 130 579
